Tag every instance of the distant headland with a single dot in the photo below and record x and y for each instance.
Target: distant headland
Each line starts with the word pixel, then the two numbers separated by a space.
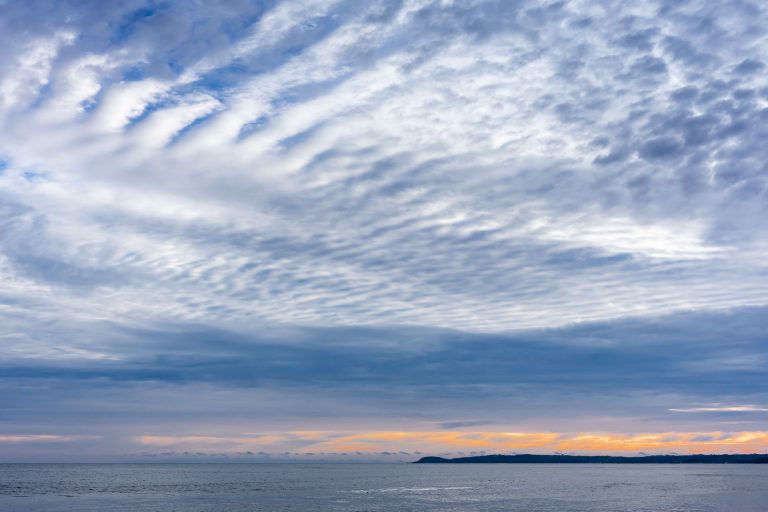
pixel 754 458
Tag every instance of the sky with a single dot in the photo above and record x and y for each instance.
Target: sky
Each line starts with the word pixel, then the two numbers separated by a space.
pixel 342 230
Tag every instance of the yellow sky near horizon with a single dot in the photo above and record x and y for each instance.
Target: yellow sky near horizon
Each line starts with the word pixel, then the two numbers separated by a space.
pixel 461 441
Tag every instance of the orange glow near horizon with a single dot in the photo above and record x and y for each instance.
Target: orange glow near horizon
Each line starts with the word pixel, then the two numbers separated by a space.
pixel 489 442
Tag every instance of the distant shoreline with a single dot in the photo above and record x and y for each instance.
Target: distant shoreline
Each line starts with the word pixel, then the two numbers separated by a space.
pixel 754 458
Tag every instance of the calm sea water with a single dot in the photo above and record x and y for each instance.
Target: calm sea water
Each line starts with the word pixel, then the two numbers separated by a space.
pixel 382 487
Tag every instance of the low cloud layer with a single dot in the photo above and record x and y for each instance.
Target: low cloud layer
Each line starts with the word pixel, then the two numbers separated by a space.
pixel 188 385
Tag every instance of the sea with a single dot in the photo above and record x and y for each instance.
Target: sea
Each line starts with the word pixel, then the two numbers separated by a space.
pixel 383 487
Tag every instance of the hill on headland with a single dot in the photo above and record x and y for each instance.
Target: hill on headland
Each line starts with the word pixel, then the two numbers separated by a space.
pixel 754 458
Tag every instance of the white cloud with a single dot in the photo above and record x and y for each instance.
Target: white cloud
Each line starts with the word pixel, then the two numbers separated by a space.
pixel 32 70
pixel 125 101
pixel 460 165
pixel 722 408
pixel 42 438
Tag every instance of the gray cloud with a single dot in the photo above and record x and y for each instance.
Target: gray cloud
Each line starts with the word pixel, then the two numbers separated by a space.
pixel 423 374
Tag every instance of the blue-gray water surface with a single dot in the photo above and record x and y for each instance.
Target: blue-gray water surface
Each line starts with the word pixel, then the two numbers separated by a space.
pixel 383 487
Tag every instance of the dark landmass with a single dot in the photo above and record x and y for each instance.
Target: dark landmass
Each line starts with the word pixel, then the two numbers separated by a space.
pixel 754 458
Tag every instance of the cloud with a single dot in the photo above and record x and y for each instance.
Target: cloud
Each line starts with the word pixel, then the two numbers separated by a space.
pixel 202 383
pixel 339 106
pixel 42 438
pixel 495 199
pixel 723 408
